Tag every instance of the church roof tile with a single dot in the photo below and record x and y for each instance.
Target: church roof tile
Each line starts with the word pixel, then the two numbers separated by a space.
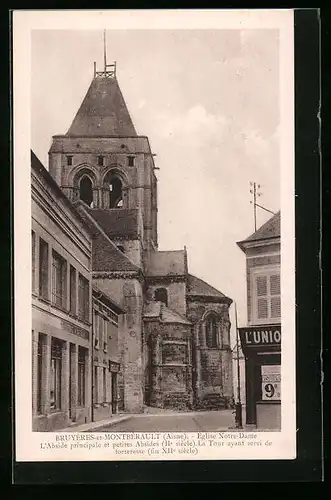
pixel 196 286
pixel 158 310
pixel 103 112
pixel 117 222
pixel 269 230
pixel 105 255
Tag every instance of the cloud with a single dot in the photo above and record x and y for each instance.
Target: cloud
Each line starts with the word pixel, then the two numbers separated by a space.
pixel 141 104
pixel 195 121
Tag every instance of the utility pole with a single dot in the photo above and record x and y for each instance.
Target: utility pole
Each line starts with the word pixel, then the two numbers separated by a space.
pixel 254 190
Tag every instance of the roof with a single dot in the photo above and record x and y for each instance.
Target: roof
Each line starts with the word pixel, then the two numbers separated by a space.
pixel 104 296
pixel 38 167
pixel 105 254
pixel 103 112
pixel 270 229
pixel 117 221
pixel 198 287
pixel 158 310
pixel 167 263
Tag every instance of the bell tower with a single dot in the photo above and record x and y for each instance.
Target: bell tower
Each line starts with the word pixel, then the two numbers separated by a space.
pixel 102 161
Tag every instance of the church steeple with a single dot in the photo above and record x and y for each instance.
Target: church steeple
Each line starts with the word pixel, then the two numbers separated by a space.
pixel 103 112
pixel 103 162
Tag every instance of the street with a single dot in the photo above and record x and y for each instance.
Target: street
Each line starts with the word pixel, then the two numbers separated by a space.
pixel 185 422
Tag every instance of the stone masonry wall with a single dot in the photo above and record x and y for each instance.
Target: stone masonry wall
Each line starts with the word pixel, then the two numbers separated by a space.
pixel 128 293
pixel 213 366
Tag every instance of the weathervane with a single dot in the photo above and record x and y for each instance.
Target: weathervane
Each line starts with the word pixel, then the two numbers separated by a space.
pixel 109 70
pixel 256 194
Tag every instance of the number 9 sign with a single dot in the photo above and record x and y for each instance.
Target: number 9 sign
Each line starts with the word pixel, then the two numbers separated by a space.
pixel 271 381
pixel 269 390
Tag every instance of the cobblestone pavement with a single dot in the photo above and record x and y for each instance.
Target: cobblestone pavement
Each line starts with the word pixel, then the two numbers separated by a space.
pixel 185 422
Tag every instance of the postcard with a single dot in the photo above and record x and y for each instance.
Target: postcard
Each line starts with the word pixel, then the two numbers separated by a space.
pixel 154 235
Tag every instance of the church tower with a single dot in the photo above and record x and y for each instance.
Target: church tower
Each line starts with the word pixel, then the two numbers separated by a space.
pixel 102 161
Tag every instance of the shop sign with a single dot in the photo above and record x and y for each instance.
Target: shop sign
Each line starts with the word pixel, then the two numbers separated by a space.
pixel 260 335
pixel 271 382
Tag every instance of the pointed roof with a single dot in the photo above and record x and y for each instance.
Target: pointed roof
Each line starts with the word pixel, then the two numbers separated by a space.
pixel 270 229
pixel 103 112
pixel 198 287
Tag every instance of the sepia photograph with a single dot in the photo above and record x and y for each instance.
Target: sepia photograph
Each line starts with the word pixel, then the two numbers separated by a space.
pixel 159 184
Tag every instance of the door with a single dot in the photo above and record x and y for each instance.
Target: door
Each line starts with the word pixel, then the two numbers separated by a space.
pixel 114 392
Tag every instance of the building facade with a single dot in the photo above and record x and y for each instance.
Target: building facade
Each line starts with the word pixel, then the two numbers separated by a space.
pixel 61 312
pixel 173 338
pixel 261 339
pixel 107 373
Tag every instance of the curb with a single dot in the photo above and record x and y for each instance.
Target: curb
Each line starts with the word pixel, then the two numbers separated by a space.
pixel 96 426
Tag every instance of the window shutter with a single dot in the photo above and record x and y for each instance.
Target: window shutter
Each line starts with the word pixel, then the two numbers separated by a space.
pixel 275 307
pixel 275 284
pixel 267 296
pixel 262 308
pixel 261 285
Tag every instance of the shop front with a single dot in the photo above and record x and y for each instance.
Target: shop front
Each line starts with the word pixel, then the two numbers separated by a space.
pixel 261 346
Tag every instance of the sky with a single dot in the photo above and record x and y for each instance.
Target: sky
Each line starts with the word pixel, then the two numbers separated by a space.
pixel 209 102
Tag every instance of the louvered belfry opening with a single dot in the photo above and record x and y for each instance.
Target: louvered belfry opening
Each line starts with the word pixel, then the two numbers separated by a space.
pixel 113 191
pixel 86 190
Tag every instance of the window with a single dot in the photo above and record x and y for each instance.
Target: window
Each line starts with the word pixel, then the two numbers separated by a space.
pixel 81 375
pixel 59 268
pixel 33 256
pixel 39 371
pixel 131 161
pixel 69 161
pixel 73 280
pixel 100 161
pixel 83 298
pixel 267 299
pixel 43 269
pixel 104 385
pixel 161 295
pixel 211 331
pixel 105 335
pixel 56 370
pixel 101 330
pixel 96 329
pixel 95 385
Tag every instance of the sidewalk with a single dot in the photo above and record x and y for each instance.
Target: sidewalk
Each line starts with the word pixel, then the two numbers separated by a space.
pixel 93 426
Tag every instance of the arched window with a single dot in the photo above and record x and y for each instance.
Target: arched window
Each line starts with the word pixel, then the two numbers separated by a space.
pixel 113 191
pixel 211 330
pixel 86 190
pixel 161 295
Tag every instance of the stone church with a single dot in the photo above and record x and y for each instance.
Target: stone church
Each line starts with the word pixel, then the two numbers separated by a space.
pixel 174 338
